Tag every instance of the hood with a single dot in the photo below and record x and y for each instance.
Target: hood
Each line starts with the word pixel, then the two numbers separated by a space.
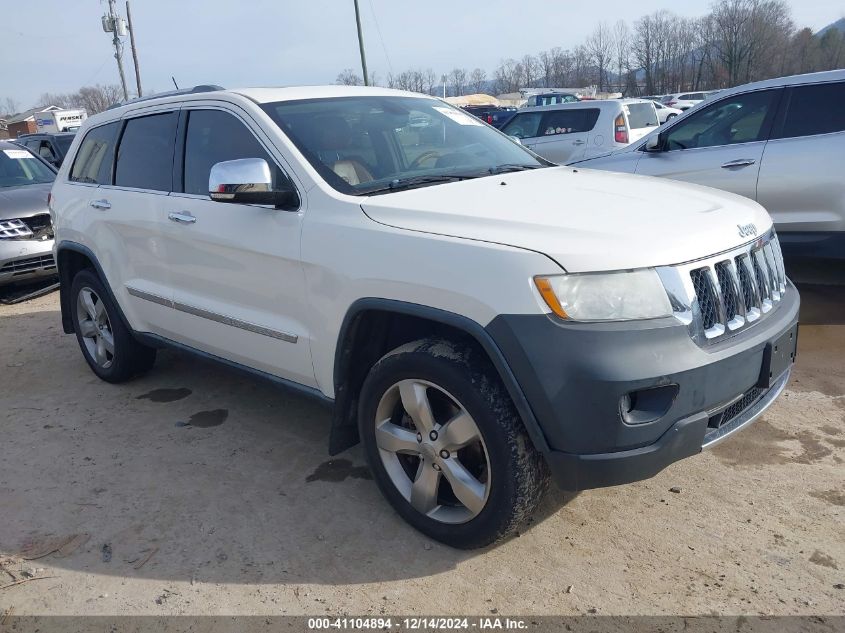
pixel 24 201
pixel 583 219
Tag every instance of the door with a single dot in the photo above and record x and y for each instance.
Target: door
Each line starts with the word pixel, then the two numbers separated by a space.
pixel 801 176
pixel 131 213
pixel 238 284
pixel 720 146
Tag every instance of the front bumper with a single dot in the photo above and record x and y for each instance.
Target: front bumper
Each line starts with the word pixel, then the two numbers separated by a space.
pixel 575 378
pixel 26 260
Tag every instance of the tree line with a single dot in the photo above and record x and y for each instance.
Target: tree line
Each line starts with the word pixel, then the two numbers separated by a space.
pixel 737 42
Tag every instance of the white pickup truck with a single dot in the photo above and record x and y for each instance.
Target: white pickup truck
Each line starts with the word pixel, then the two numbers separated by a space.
pixel 481 320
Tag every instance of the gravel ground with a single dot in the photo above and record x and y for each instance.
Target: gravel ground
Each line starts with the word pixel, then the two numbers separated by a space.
pixel 198 490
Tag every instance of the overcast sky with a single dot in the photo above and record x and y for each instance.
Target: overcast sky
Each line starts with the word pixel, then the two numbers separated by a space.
pixel 59 46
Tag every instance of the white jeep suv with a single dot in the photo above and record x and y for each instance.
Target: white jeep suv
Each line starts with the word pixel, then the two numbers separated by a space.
pixel 480 320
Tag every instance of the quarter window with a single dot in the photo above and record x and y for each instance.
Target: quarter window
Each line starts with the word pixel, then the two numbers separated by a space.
pixel 145 155
pixel 93 162
pixel 214 136
pixel 816 109
pixel 740 119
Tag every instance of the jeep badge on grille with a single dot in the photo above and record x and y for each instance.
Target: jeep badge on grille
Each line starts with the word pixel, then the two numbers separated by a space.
pixel 747 230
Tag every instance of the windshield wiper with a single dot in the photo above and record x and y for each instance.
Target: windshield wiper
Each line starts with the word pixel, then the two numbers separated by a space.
pixel 402 184
pixel 508 167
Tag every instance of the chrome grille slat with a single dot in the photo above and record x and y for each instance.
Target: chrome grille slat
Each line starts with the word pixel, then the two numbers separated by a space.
pixel 721 295
pixel 14 229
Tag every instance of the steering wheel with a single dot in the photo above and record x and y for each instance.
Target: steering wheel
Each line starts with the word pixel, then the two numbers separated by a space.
pixel 419 160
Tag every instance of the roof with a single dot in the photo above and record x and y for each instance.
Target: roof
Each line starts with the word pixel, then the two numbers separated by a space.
pixel 792 80
pixel 589 103
pixel 256 95
pixel 292 93
pixel 29 114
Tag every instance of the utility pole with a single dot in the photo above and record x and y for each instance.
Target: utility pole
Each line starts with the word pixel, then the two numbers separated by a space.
pixel 361 45
pixel 134 50
pixel 113 23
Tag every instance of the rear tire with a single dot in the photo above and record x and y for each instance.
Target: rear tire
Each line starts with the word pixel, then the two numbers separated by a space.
pixel 446 445
pixel 105 340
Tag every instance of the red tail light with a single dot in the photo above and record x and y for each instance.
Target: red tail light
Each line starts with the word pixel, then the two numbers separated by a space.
pixel 620 129
pixel 489 118
pixel 672 104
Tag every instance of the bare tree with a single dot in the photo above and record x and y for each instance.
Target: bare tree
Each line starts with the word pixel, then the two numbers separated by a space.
pixel 600 48
pixel 10 106
pixel 622 52
pixel 478 80
pixel 530 69
pixel 348 77
pixel 458 80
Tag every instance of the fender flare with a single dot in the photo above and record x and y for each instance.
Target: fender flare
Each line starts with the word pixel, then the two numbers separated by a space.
pixel 65 281
pixel 339 439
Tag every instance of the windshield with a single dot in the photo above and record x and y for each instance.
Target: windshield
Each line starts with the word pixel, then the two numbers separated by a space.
pixel 363 145
pixel 19 167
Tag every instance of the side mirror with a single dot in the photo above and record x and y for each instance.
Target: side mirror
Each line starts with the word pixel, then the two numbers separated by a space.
pixel 654 143
pixel 248 181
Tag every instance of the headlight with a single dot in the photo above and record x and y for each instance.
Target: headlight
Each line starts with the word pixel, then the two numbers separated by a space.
pixel 617 296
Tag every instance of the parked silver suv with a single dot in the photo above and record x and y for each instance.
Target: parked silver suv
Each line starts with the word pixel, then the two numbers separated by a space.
pixel 780 142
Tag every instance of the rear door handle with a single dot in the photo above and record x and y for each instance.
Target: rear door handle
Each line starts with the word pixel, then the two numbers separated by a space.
pixel 740 162
pixel 182 217
pixel 101 204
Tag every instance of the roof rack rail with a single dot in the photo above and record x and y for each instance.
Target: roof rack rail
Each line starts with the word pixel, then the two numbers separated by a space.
pixel 172 93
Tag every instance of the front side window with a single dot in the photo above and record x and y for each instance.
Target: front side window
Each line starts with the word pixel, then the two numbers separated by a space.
pixel 145 154
pixel 214 136
pixel 524 125
pixel 363 145
pixel 19 167
pixel 93 162
pixel 815 109
pixel 740 119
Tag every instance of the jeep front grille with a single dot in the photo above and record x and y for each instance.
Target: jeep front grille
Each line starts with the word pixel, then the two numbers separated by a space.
pixel 721 295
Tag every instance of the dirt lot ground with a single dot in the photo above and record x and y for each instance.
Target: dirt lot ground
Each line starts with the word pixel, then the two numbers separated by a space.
pixel 203 491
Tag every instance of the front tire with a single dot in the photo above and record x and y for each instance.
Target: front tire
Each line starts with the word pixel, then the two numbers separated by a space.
pixel 106 342
pixel 446 445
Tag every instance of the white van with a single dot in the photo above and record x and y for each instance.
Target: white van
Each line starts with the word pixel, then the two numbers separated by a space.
pixel 574 131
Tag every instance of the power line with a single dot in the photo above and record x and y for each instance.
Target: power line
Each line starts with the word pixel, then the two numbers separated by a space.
pixel 378 30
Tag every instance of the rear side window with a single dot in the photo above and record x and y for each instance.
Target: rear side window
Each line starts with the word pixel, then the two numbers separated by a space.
pixel 145 155
pixel 569 121
pixel 815 109
pixel 93 162
pixel 641 115
pixel 214 136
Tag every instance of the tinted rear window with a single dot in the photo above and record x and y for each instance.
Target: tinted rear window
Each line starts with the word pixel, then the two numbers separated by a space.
pixel 815 109
pixel 145 155
pixel 641 115
pixel 93 162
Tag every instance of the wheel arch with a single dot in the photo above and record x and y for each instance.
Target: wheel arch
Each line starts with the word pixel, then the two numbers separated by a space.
pixel 72 257
pixel 374 326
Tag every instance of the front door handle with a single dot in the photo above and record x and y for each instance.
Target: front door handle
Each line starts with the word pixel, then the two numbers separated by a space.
pixel 578 142
pixel 182 217
pixel 740 162
pixel 101 204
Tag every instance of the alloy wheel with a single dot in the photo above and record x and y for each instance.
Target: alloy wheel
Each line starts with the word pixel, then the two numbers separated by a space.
pixel 95 327
pixel 433 451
